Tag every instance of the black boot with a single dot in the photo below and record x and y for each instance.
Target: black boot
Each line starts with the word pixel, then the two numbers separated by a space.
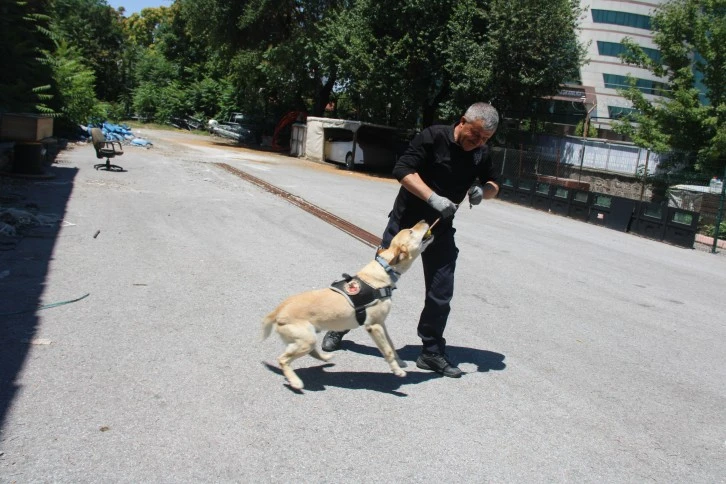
pixel 439 363
pixel 333 339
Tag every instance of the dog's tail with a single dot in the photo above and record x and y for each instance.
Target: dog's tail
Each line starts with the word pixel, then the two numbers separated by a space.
pixel 267 324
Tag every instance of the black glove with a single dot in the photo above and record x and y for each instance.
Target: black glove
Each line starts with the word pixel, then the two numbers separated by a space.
pixel 476 194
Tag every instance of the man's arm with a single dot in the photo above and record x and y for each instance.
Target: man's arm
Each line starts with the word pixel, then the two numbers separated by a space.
pixel 413 158
pixel 414 184
pixel 406 172
pixel 490 190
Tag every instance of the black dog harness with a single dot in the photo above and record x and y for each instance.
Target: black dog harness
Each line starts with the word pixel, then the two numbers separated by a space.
pixel 361 295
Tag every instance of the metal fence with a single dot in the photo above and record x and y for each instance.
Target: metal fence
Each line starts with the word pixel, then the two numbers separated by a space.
pixel 610 168
pixel 607 156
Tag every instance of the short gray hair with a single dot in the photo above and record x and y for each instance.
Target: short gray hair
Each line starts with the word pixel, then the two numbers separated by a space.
pixel 484 112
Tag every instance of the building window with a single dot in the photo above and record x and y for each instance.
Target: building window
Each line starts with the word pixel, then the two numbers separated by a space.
pixel 614 49
pixel 614 81
pixel 621 18
pixel 616 112
pixel 698 66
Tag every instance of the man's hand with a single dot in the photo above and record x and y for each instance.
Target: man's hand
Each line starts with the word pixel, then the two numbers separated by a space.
pixel 446 207
pixel 476 194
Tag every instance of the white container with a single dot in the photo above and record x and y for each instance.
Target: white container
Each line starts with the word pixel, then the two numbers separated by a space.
pixel 712 185
pixel 718 186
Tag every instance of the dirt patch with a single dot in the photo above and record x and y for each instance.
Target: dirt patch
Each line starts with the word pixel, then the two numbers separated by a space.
pixel 260 156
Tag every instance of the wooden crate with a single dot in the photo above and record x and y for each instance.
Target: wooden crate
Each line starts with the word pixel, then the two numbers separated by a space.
pixel 25 127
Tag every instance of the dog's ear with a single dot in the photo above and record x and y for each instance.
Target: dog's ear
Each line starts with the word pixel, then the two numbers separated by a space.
pixel 401 253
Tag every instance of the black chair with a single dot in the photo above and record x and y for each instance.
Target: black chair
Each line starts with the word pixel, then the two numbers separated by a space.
pixel 105 149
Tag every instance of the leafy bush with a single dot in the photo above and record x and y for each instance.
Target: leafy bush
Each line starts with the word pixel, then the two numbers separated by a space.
pixel 591 130
pixel 75 86
pixel 145 100
pixel 115 112
pixel 172 103
pixel 710 230
pixel 204 97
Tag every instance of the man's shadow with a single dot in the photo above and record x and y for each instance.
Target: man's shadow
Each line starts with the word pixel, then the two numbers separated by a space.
pixel 316 378
pixel 484 360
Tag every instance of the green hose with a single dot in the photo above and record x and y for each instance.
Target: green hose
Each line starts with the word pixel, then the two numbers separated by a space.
pixel 47 306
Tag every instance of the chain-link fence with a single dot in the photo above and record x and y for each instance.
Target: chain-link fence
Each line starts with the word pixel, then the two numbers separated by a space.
pixel 616 169
pixel 575 154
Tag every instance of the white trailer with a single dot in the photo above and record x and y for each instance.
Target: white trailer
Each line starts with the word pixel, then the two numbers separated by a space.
pixel 354 144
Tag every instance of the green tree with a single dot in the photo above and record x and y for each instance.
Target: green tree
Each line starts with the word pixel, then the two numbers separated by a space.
pixel 146 101
pixel 176 72
pixel 143 28
pixel 391 58
pixel 158 94
pixel 429 60
pixel 25 82
pixel 531 48
pixel 96 30
pixel 204 97
pixel 268 49
pixel 408 62
pixel 74 82
pixel 691 36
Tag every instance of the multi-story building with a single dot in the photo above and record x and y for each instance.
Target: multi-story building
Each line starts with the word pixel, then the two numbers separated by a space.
pixel 604 25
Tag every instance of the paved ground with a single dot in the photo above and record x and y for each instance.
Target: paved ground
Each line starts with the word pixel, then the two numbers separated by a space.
pixel 592 355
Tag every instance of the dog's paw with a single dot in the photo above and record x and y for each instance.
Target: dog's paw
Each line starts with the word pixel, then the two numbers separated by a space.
pixel 399 372
pixel 297 384
pixel 321 355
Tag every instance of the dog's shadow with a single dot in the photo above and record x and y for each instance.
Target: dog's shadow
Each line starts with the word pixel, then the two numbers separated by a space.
pixel 316 378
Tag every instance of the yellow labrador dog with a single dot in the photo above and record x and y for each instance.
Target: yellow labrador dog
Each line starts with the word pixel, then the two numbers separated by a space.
pixel 339 307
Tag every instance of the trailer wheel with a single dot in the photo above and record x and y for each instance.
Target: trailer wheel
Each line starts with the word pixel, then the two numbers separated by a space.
pixel 349 165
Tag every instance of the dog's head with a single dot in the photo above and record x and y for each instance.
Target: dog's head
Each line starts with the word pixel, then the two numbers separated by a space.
pixel 406 246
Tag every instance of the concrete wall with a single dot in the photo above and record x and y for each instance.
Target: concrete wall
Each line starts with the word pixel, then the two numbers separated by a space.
pixel 615 184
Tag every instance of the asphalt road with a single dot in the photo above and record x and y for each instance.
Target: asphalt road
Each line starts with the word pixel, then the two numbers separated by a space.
pixel 591 355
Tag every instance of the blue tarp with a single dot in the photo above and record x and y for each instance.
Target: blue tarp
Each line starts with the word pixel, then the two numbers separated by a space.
pixel 118 132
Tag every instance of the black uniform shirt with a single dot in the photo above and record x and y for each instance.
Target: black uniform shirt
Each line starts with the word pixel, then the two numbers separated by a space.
pixel 444 166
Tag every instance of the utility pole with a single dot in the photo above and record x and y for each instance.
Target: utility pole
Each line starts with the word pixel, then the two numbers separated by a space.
pixel 645 174
pixel 585 129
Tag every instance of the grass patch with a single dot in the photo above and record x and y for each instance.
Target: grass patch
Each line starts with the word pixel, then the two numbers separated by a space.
pixel 133 124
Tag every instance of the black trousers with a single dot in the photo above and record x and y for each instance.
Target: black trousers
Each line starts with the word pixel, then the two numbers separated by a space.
pixel 439 265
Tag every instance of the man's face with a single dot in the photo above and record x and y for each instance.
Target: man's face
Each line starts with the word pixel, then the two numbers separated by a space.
pixel 472 134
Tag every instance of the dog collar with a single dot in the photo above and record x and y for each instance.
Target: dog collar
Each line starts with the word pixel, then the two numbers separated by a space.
pixel 389 270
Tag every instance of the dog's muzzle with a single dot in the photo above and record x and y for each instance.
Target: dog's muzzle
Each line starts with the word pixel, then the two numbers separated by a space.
pixel 426 242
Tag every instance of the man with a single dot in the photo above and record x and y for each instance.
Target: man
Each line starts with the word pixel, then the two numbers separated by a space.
pixel 441 166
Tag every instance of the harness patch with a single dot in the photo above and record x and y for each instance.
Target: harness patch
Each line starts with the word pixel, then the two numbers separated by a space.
pixel 352 287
